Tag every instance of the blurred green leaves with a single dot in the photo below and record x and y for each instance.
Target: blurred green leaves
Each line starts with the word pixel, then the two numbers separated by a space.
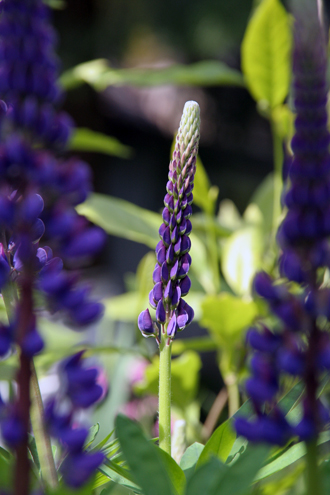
pixel 266 54
pixel 98 74
pixel 185 379
pixel 84 139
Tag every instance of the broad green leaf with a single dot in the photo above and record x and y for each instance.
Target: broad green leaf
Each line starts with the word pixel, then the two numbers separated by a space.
pixel 122 218
pixel 64 490
pixel 98 74
pixel 238 478
pixel 6 473
pixel 185 377
pixel 290 456
pixel 174 471
pixel 266 53
pixel 206 477
pixel 190 458
pixel 219 444
pixel 226 316
pixel 143 458
pixel 84 139
pixel 241 258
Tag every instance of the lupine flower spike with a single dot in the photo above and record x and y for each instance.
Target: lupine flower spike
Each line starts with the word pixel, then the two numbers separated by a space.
pixel 170 277
pixel 300 347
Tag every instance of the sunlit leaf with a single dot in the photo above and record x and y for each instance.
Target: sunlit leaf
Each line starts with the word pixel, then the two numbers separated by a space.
pixel 242 258
pixel 190 458
pixel 226 316
pixel 84 139
pixel 219 444
pixel 266 53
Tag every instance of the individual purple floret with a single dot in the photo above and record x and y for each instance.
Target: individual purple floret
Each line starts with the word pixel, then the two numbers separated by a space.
pixel 300 346
pixel 170 277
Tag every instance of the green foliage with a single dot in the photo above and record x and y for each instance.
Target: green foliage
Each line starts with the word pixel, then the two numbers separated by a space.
pixel 143 459
pixel 205 195
pixel 84 139
pixel 219 444
pixel 185 378
pixel 266 54
pixel 98 74
pixel 226 316
pixel 190 457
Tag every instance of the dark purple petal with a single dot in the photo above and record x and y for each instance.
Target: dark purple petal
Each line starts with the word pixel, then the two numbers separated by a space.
pixel 172 326
pixel 145 322
pixel 160 312
pixel 185 285
pixel 158 292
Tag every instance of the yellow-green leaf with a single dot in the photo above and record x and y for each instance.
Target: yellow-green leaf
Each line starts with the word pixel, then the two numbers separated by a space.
pixel 266 53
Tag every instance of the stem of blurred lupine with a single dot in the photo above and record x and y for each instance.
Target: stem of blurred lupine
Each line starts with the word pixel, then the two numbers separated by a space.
pixel 313 482
pixel 164 418
pixel 44 449
pixel 233 393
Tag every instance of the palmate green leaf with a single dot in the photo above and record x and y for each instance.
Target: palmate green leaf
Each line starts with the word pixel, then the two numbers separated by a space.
pixel 226 316
pixel 185 377
pixel 219 444
pixel 189 459
pixel 143 459
pixel 84 139
pixel 266 53
pixel 114 472
pixel 98 74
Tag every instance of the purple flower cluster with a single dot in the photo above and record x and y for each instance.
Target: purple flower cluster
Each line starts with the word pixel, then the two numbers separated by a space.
pixel 39 190
pixel 80 390
pixel 300 346
pixel 170 277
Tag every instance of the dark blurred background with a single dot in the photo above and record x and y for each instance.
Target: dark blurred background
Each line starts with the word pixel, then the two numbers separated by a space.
pixel 235 147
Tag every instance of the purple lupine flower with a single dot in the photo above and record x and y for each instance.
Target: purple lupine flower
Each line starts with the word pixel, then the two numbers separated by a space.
pixel 299 347
pixel 170 277
pixel 38 194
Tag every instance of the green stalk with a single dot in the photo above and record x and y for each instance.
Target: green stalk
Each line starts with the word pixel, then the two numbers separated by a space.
pixel 278 164
pixel 165 392
pixel 44 449
pixel 312 469
pixel 233 393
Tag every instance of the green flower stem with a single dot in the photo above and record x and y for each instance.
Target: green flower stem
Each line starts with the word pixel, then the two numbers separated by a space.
pixel 44 449
pixel 278 165
pixel 165 392
pixel 312 470
pixel 233 393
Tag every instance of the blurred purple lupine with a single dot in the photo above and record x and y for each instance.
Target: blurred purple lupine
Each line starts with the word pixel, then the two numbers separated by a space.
pixel 302 347
pixel 79 390
pixel 170 277
pixel 39 190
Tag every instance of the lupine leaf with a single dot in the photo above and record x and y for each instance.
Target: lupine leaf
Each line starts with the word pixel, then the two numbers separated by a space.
pixel 174 471
pixel 190 458
pixel 266 53
pixel 219 444
pixel 237 479
pixel 63 490
pixel 5 473
pixel 92 434
pixel 226 316
pixel 111 471
pixel 290 456
pixel 122 218
pixel 98 74
pixel 206 477
pixel 143 458
pixel 84 139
